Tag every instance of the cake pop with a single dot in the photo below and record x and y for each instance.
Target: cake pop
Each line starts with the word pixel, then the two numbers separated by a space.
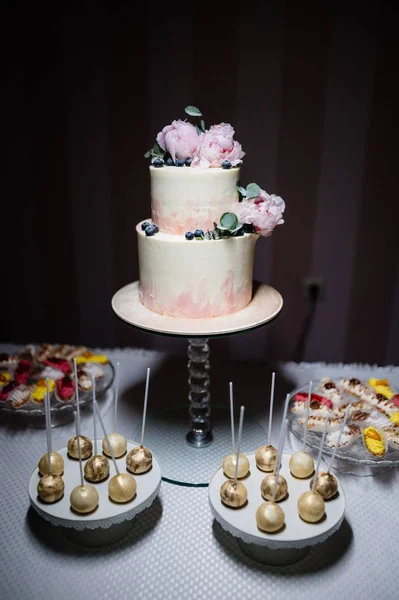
pixel 229 461
pixel 270 481
pixel 233 493
pixel 82 442
pixel 122 486
pixel 310 504
pixel 84 498
pixel 266 456
pixel 326 482
pixel 270 516
pixel 56 460
pixel 139 460
pixel 116 440
pixel 301 463
pixel 50 488
pixel 97 467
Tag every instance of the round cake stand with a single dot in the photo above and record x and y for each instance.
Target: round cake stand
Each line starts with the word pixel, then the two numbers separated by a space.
pixel 110 522
pixel 264 307
pixel 294 540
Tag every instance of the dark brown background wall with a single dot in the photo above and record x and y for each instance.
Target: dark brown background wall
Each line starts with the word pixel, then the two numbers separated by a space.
pixel 310 88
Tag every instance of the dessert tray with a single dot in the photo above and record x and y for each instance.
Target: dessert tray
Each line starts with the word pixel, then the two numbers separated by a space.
pixel 374 414
pixel 293 541
pixel 23 378
pixel 110 521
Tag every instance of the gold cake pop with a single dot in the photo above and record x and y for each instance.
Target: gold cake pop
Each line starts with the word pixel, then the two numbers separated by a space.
pixel 233 493
pixel 230 461
pixel 122 487
pixel 85 445
pixel 116 440
pixel 56 464
pixel 266 456
pixel 139 460
pixel 97 467
pixel 84 498
pixel 267 485
pixel 50 488
pixel 326 485
pixel 270 517
pixel 301 463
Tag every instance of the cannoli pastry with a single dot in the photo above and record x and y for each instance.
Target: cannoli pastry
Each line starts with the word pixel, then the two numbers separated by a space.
pixel 44 352
pixel 374 442
pixel 84 381
pixel 315 409
pixel 23 371
pixel 8 360
pixel 51 373
pixel 74 351
pixel 65 389
pixel 4 379
pixel 317 423
pixel 380 386
pixel 330 390
pixel 364 418
pixel 20 395
pixel 40 390
pixel 304 396
pixel 58 363
pixel 91 357
pixel 364 392
pixel 349 435
pixel 92 369
pixel 6 390
pixel 392 436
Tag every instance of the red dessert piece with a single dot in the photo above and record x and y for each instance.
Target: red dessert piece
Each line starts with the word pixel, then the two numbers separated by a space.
pixel 65 388
pixel 22 371
pixel 59 363
pixel 395 399
pixel 6 390
pixel 303 397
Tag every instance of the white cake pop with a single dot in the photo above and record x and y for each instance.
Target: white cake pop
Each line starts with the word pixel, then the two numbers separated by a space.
pixel 229 461
pixel 301 462
pixel 266 456
pixel 139 460
pixel 233 493
pixel 116 440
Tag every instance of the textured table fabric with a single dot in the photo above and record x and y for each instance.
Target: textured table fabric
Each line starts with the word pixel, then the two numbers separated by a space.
pixel 176 549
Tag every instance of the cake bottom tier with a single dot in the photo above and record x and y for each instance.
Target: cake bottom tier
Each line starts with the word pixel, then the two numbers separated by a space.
pixel 196 278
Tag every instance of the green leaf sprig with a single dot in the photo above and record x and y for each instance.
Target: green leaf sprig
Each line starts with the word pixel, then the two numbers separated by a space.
pixel 193 111
pixel 251 191
pixel 229 225
pixel 155 152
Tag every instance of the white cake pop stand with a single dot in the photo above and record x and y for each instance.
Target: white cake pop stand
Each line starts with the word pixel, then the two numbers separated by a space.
pixel 265 306
pixel 110 522
pixel 290 544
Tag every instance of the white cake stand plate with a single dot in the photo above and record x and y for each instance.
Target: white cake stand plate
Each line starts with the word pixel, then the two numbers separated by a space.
pixel 291 543
pixel 110 521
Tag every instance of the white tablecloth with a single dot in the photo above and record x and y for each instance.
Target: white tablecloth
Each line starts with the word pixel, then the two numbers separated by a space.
pixel 175 549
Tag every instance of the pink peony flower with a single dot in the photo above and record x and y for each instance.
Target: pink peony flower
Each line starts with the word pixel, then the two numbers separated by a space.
pixel 180 139
pixel 217 145
pixel 263 212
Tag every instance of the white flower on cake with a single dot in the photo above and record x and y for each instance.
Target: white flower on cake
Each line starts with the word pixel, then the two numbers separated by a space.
pixel 263 212
pixel 180 139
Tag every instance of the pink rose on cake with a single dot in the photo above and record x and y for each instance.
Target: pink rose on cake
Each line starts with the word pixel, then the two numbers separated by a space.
pixel 180 139
pixel 263 212
pixel 217 145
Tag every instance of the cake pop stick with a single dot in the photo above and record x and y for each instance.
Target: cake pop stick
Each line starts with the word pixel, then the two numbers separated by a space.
pixel 325 483
pixel 117 440
pixel 311 504
pixel 229 461
pixel 266 456
pixel 301 462
pixel 122 486
pixel 56 464
pixel 97 467
pixel 84 498
pixel 233 493
pixel 51 486
pixel 86 446
pixel 139 460
pixel 274 487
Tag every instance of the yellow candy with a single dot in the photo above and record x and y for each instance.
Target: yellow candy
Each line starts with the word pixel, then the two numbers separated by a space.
pixel 4 378
pixel 380 386
pixel 373 441
pixel 41 389
pixel 395 418
pixel 90 357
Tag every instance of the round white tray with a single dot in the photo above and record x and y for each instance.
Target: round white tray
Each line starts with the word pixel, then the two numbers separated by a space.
pixel 297 534
pixel 264 306
pixel 108 513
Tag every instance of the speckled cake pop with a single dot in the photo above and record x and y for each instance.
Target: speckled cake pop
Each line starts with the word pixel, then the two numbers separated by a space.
pixel 97 467
pixel 229 461
pixel 84 498
pixel 116 440
pixel 139 460
pixel 301 463
pixel 233 493
pixel 266 456
pixel 310 504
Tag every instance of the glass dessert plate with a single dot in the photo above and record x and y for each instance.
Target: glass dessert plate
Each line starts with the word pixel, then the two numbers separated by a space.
pixel 354 458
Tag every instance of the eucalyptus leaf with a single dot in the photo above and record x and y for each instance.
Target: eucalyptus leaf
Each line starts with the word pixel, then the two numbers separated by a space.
pixel 253 190
pixel 147 154
pixel 203 125
pixel 157 149
pixel 229 221
pixel 242 190
pixel 193 111
pixel 199 130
